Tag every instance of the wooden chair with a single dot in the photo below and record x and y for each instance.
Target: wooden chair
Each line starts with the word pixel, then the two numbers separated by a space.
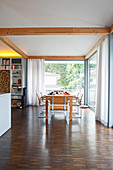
pixel 59 104
pixel 41 103
pixel 43 98
pixel 76 103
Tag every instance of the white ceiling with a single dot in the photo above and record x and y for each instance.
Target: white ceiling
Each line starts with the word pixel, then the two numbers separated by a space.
pixel 55 45
pixel 59 13
pixel 20 13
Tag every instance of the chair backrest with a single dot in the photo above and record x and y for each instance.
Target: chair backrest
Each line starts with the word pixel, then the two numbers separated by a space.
pixel 77 99
pixel 39 98
pixel 59 100
pixel 41 94
pixel 38 95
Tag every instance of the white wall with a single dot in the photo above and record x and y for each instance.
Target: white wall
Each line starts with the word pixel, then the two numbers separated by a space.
pixel 5 112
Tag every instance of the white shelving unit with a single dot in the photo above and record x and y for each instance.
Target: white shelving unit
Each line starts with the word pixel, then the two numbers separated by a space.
pixel 16 79
pixel 17 75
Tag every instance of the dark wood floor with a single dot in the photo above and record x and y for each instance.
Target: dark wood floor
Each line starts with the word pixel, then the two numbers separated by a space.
pixel 32 144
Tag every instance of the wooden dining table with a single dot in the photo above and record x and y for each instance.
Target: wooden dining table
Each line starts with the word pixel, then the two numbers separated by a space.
pixel 58 98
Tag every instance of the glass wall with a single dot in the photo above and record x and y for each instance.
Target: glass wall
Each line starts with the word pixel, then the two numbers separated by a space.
pixel 64 75
pixel 92 80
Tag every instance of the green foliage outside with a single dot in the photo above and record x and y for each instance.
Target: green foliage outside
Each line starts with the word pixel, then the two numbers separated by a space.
pixel 72 75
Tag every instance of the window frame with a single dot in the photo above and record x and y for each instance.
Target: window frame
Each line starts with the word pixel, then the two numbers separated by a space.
pixel 88 82
pixel 72 61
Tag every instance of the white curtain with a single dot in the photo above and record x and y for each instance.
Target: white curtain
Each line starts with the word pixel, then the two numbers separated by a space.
pixel 35 80
pixel 102 82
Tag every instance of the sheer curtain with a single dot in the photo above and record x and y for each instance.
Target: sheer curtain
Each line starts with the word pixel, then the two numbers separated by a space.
pixel 35 80
pixel 102 101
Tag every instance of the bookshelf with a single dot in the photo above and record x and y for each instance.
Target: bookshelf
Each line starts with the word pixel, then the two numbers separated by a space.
pixel 17 77
pixel 5 63
pixel 16 81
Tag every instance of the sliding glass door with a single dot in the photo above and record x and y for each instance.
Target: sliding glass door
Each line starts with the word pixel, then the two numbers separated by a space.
pixel 92 80
pixel 65 75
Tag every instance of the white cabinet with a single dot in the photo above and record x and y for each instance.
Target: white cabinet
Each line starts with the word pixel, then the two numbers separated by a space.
pixel 5 112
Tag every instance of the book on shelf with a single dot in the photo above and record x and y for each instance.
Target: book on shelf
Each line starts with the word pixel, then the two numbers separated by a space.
pixel 5 61
pixel 14 67
pixel 5 67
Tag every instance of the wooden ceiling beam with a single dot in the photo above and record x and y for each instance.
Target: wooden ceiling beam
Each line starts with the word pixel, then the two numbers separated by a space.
pixel 94 48
pixel 111 28
pixel 12 46
pixel 55 31
pixel 57 57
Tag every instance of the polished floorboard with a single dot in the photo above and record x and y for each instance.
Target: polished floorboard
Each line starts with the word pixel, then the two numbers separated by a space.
pixel 33 144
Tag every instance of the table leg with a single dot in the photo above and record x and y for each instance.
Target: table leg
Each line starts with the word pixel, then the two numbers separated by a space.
pixel 46 109
pixel 71 108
